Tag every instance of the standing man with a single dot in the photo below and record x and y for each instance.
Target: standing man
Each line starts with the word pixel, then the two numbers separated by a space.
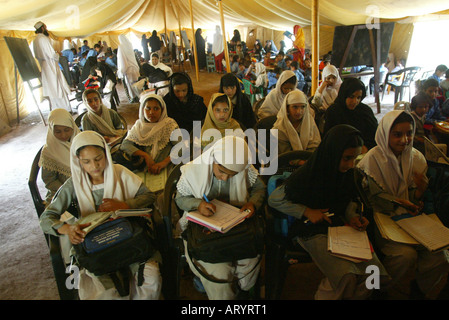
pixel 54 84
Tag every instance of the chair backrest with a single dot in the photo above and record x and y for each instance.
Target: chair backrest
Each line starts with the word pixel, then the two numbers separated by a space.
pixel 402 105
pixel 32 184
pixel 433 153
pixel 248 87
pixel 79 118
pixel 409 75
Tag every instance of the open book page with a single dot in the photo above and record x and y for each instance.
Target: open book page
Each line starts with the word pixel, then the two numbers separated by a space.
pixel 349 242
pixel 95 219
pixel 131 213
pixel 390 230
pixel 225 217
pixel 428 231
pixel 154 182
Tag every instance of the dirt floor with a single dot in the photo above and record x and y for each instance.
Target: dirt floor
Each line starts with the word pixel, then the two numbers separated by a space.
pixel 25 270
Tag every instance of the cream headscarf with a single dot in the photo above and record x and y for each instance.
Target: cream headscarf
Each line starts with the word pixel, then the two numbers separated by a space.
pixel 210 122
pixel 308 133
pixel 119 183
pixel 160 65
pixel 104 122
pixel 126 59
pixel 393 174
pixel 156 134
pixel 55 155
pixel 330 93
pixel 231 152
pixel 274 99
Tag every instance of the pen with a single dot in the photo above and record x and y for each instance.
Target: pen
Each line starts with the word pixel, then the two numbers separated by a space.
pixel 403 206
pixel 327 215
pixel 205 198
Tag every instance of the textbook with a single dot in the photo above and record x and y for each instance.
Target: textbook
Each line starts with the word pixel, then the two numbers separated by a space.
pixel 429 232
pixel 423 229
pixel 97 218
pixel 154 182
pixel 348 243
pixel 225 217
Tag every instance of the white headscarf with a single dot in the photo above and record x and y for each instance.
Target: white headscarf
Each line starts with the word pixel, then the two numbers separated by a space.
pixel 55 155
pixel 119 183
pixel 126 60
pixel 104 122
pixel 308 133
pixel 156 134
pixel 217 44
pixel 160 65
pixel 393 174
pixel 275 98
pixel 232 153
pixel 330 92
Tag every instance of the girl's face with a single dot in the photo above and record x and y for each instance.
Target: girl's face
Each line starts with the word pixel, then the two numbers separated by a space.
pixel 221 111
pixel 421 109
pixel 180 91
pixel 296 111
pixel 348 157
pixel 154 60
pixel 230 91
pixel 353 100
pixel 401 135
pixel 62 133
pixel 287 87
pixel 221 173
pixel 94 101
pixel 331 79
pixel 152 110
pixel 432 92
pixel 93 161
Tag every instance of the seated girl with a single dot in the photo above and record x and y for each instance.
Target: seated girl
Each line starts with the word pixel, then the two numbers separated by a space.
pixel 98 185
pixel 155 62
pixel 219 118
pixel 396 171
pixel 101 119
pixel 419 106
pixel 242 110
pixel 349 109
pixel 149 138
pixel 183 105
pixel 325 183
pixel 327 92
pixel 296 127
pixel 55 155
pixel 228 176
pixel 287 82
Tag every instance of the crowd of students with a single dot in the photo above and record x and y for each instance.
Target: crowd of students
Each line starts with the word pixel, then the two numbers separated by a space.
pixel 80 166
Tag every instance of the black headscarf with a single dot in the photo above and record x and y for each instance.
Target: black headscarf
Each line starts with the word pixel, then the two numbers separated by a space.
pixel 319 184
pixel 155 42
pixel 362 117
pixel 243 111
pixel 184 113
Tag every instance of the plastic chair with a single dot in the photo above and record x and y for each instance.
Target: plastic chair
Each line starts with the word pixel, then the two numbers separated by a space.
pixel 266 124
pixel 53 243
pixel 402 105
pixel 400 80
pixel 210 63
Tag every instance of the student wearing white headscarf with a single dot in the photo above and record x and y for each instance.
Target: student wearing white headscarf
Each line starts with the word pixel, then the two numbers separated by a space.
pixel 232 180
pixel 127 66
pixel 327 92
pixel 150 135
pixel 218 49
pixel 156 63
pixel 273 101
pixel 55 156
pixel 396 171
pixel 297 129
pixel 99 185
pixel 100 118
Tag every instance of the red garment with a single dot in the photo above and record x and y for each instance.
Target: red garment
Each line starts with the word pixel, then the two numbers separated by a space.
pixel 218 63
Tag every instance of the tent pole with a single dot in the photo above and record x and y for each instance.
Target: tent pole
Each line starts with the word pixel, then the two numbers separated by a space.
pixel 315 45
pixel 194 42
pixel 165 23
pixel 181 63
pixel 228 65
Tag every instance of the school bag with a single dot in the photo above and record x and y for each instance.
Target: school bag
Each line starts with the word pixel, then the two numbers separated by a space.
pixel 110 248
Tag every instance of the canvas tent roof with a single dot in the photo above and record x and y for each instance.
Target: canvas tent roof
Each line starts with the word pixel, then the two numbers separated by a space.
pixel 106 19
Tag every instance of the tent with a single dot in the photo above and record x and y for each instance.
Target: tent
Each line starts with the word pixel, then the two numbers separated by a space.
pixel 265 19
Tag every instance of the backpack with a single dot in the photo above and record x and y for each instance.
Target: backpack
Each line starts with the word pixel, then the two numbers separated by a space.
pixel 110 248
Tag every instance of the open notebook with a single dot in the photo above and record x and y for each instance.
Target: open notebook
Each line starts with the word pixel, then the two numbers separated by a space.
pixel 421 229
pixel 225 217
pixel 349 243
